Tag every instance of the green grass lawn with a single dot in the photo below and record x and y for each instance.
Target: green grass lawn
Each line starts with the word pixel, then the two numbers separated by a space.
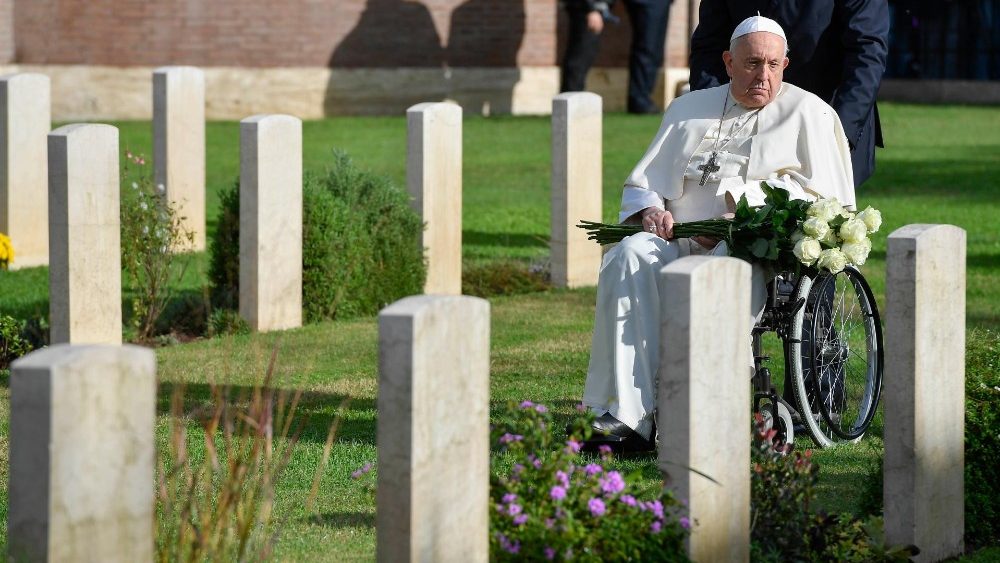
pixel 939 167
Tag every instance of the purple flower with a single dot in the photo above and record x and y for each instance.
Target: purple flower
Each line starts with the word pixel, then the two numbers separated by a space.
pixel 520 519
pixel 537 463
pixel 612 483
pixel 604 450
pixel 581 407
pixel 592 469
pixel 517 469
pixel 526 404
pixel 628 499
pixel 507 545
pixel 596 506
pixel 509 498
pixel 499 507
pixel 541 408
pixel 685 522
pixel 563 478
pixel 508 438
pixel 655 527
pixel 364 469
pixel 513 509
pixel 557 493
pixel 550 553
pixel 573 446
pixel 549 523
pixel 657 508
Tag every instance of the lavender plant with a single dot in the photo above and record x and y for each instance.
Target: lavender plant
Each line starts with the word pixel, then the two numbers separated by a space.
pixel 553 504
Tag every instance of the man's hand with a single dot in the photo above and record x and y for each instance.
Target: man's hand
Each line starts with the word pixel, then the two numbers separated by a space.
pixel 712 242
pixel 658 222
pixel 595 22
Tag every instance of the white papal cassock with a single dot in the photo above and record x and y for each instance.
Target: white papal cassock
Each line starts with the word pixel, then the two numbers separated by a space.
pixel 796 141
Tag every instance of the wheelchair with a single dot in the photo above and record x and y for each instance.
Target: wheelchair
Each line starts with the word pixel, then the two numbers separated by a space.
pixel 831 337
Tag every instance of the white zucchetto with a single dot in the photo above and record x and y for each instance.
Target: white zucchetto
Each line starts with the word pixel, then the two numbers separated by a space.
pixel 754 24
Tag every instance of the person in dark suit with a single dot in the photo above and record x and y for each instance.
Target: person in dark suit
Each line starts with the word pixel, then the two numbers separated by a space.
pixel 649 33
pixel 838 52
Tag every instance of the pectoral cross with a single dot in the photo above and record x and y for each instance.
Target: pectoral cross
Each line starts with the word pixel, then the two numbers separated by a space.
pixel 708 168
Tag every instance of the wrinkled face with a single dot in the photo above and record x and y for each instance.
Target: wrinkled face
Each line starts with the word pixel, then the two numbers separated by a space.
pixel 756 66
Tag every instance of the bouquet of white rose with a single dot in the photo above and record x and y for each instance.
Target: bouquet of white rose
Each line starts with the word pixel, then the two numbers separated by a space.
pixel 786 233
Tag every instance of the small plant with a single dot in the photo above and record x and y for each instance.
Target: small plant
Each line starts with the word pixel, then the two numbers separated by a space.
pixel 151 233
pixel 554 505
pixel 12 344
pixel 218 505
pixel 503 278
pixel 6 251
pixel 784 526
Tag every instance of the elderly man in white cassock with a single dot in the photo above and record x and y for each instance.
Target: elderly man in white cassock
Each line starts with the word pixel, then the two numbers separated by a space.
pixel 713 147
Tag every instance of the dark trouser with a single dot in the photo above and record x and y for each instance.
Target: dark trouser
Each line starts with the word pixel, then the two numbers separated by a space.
pixel 649 34
pixel 581 50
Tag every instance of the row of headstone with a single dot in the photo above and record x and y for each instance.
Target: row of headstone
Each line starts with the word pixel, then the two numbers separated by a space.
pixel 434 180
pixel 84 231
pixel 25 121
pixel 434 172
pixel 79 485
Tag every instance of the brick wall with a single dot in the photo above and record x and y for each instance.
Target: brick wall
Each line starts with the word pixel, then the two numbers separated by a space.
pixel 295 33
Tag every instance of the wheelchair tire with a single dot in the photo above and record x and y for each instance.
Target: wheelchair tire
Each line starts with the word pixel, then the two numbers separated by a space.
pixel 798 346
pixel 846 354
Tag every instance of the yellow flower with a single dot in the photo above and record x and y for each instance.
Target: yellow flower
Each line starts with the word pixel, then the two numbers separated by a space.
pixel 6 250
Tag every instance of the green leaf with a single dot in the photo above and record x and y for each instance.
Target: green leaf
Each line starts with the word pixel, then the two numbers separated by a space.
pixel 760 247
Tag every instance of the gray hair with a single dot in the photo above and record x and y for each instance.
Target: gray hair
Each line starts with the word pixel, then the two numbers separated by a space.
pixel 732 44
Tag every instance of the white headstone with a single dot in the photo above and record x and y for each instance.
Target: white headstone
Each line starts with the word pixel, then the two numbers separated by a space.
pixel 25 120
pixel 82 449
pixel 703 400
pixel 85 269
pixel 179 144
pixel 433 430
pixel 434 179
pixel 576 187
pixel 924 393
pixel 271 222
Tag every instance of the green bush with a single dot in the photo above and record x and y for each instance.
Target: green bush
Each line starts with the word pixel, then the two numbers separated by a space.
pixel 784 525
pixel 982 439
pixel 982 442
pixel 360 244
pixel 224 250
pixel 12 344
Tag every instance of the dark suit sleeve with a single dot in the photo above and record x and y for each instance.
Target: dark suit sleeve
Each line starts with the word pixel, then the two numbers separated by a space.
pixel 864 41
pixel 709 40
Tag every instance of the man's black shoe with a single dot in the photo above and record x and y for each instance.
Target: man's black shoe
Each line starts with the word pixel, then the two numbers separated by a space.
pixel 611 432
pixel 607 425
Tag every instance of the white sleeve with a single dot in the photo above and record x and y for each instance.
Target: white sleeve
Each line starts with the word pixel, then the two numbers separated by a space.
pixel 636 199
pixel 755 196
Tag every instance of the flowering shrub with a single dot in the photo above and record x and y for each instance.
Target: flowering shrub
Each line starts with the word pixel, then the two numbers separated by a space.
pixel 555 505
pixel 150 233
pixel 785 528
pixel 6 251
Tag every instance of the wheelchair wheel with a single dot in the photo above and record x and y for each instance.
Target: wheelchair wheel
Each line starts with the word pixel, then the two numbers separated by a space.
pixel 838 368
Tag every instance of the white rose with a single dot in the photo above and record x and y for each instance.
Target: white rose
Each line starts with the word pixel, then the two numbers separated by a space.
pixel 831 260
pixel 857 252
pixel 853 230
pixel 831 239
pixel 815 227
pixel 825 209
pixel 872 218
pixel 807 250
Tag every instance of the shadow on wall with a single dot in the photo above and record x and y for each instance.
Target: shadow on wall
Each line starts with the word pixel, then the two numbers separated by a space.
pixel 394 58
